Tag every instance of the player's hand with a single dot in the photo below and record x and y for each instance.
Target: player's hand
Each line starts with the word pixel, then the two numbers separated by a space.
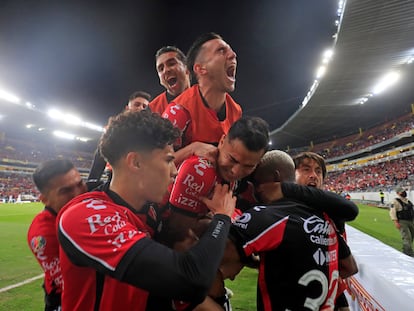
pixel 204 150
pixel 222 201
pixel 269 192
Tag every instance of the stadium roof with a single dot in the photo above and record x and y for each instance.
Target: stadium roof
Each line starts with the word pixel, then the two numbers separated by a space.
pixel 374 38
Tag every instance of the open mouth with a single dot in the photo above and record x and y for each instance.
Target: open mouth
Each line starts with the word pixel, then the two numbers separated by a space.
pixel 172 81
pixel 231 72
pixel 311 184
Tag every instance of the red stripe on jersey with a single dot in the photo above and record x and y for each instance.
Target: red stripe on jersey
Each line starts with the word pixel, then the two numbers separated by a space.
pixel 269 239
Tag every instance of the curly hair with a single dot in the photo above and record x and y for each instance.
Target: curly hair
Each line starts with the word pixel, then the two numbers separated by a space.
pixel 135 131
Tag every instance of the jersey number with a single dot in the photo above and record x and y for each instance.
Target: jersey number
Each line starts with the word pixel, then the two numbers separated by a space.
pixel 319 276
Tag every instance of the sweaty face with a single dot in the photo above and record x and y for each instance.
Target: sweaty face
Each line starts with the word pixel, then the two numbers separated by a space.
pixel 220 63
pixel 62 189
pixel 235 161
pixel 159 170
pixel 309 173
pixel 173 74
pixel 137 104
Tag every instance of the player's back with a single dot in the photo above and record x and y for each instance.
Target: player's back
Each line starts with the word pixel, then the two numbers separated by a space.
pixel 298 252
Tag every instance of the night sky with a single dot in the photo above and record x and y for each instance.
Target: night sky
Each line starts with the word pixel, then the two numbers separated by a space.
pixel 88 57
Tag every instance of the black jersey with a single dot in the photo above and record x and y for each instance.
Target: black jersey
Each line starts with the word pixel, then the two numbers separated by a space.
pixel 298 248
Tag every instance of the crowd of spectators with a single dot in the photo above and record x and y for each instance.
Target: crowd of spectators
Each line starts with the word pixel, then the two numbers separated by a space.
pixel 23 152
pixel 352 143
pixel 385 176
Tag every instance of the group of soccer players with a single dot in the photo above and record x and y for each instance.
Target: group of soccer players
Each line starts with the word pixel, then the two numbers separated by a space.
pixel 154 238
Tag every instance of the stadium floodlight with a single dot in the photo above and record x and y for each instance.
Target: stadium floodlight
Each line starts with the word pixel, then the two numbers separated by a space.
pixel 386 81
pixel 72 119
pixel 55 114
pixel 327 55
pixel 29 126
pixel 84 139
pixel 7 96
pixel 320 72
pixel 94 127
pixel 64 135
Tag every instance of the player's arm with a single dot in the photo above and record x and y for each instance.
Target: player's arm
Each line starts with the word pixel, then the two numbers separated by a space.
pixel 337 207
pixel 347 264
pixel 95 174
pixel 180 118
pixel 197 148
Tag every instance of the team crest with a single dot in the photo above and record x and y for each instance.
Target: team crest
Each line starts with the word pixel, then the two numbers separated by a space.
pixel 38 243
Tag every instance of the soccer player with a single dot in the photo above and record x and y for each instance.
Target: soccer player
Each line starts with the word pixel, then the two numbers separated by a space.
pixel 109 260
pixel 205 112
pixel 298 246
pixel 138 101
pixel 58 181
pixel 170 63
pixel 171 66
pixel 310 170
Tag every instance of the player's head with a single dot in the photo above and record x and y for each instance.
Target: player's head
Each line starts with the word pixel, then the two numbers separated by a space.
pixel 138 101
pixel 138 146
pixel 242 148
pixel 58 181
pixel 310 169
pixel 212 61
pixel 275 166
pixel 171 66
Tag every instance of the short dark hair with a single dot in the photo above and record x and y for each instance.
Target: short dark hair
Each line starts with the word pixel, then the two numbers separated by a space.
pixel 170 48
pixel 298 159
pixel 195 48
pixel 252 131
pixel 142 94
pixel 137 131
pixel 48 170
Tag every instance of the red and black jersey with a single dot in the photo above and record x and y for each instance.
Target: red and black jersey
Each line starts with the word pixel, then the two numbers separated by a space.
pixel 159 103
pixel 196 121
pixel 298 248
pixel 115 230
pixel 110 262
pixel 196 178
pixel 44 244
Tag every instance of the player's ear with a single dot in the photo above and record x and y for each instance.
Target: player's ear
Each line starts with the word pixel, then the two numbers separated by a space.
pixel 133 160
pixel 199 69
pixel 43 199
pixel 276 176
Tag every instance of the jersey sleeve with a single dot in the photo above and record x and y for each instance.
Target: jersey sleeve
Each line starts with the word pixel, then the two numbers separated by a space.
pixel 113 233
pixel 258 230
pixel 44 245
pixel 337 207
pixel 180 118
pixel 196 178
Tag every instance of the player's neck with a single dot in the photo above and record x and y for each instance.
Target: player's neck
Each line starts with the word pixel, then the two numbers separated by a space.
pixel 212 97
pixel 128 191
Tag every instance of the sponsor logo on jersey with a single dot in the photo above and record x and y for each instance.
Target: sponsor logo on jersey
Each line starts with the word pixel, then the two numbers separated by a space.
pixel 111 224
pixel 242 221
pixel 193 188
pixel 184 201
pixel 319 230
pixel 218 229
pixel 38 244
pixel 321 257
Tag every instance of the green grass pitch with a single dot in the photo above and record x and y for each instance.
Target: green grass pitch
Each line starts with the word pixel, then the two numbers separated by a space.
pixel 18 264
